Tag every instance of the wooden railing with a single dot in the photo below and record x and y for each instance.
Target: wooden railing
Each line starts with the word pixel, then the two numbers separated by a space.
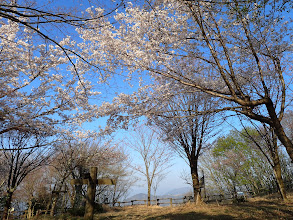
pixel 161 201
pixel 176 201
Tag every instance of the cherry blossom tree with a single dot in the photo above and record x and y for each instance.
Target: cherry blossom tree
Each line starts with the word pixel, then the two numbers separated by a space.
pixel 236 51
pixel 46 80
pixel 30 92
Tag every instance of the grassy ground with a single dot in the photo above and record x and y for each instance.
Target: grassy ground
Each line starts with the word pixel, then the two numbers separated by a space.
pixel 256 208
pixel 268 207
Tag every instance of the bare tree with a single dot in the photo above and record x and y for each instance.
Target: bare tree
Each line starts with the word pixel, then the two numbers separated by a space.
pixel 188 133
pixel 34 191
pixel 125 179
pixel 155 155
pixel 19 161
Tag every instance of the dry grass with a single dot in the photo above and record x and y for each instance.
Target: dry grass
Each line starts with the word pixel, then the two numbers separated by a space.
pixel 256 208
pixel 260 208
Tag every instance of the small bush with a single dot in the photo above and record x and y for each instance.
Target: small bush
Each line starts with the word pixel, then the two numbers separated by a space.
pixel 98 208
pixel 81 210
pixel 77 211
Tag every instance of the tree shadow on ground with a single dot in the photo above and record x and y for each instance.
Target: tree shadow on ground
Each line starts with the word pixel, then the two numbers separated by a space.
pixel 192 215
pixel 252 210
pixel 269 208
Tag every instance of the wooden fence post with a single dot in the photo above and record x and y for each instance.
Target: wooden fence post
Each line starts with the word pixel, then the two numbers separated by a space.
pixel 171 202
pixel 91 181
pixel 158 202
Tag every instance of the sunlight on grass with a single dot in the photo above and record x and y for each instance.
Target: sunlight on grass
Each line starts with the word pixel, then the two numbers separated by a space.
pixel 256 208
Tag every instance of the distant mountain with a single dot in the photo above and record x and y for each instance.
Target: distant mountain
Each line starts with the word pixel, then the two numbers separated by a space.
pixel 139 196
pixel 174 193
pixel 178 192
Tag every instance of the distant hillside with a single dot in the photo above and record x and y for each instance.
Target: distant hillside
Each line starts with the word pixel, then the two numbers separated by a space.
pixel 178 192
pixel 174 193
pixel 139 196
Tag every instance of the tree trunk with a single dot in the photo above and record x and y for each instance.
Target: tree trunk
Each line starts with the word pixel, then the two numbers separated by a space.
pixel 8 200
pixel 255 187
pixel 284 140
pixel 277 166
pixel 77 196
pixel 149 194
pixel 278 175
pixel 279 130
pixel 63 202
pixel 30 209
pixel 234 191
pixel 280 182
pixel 71 194
pixel 55 197
pixel 195 184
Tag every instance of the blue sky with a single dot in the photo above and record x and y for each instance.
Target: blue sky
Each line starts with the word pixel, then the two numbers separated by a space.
pixel 117 85
pixel 172 179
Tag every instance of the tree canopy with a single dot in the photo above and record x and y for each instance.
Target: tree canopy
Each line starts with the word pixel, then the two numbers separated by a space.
pixel 237 51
